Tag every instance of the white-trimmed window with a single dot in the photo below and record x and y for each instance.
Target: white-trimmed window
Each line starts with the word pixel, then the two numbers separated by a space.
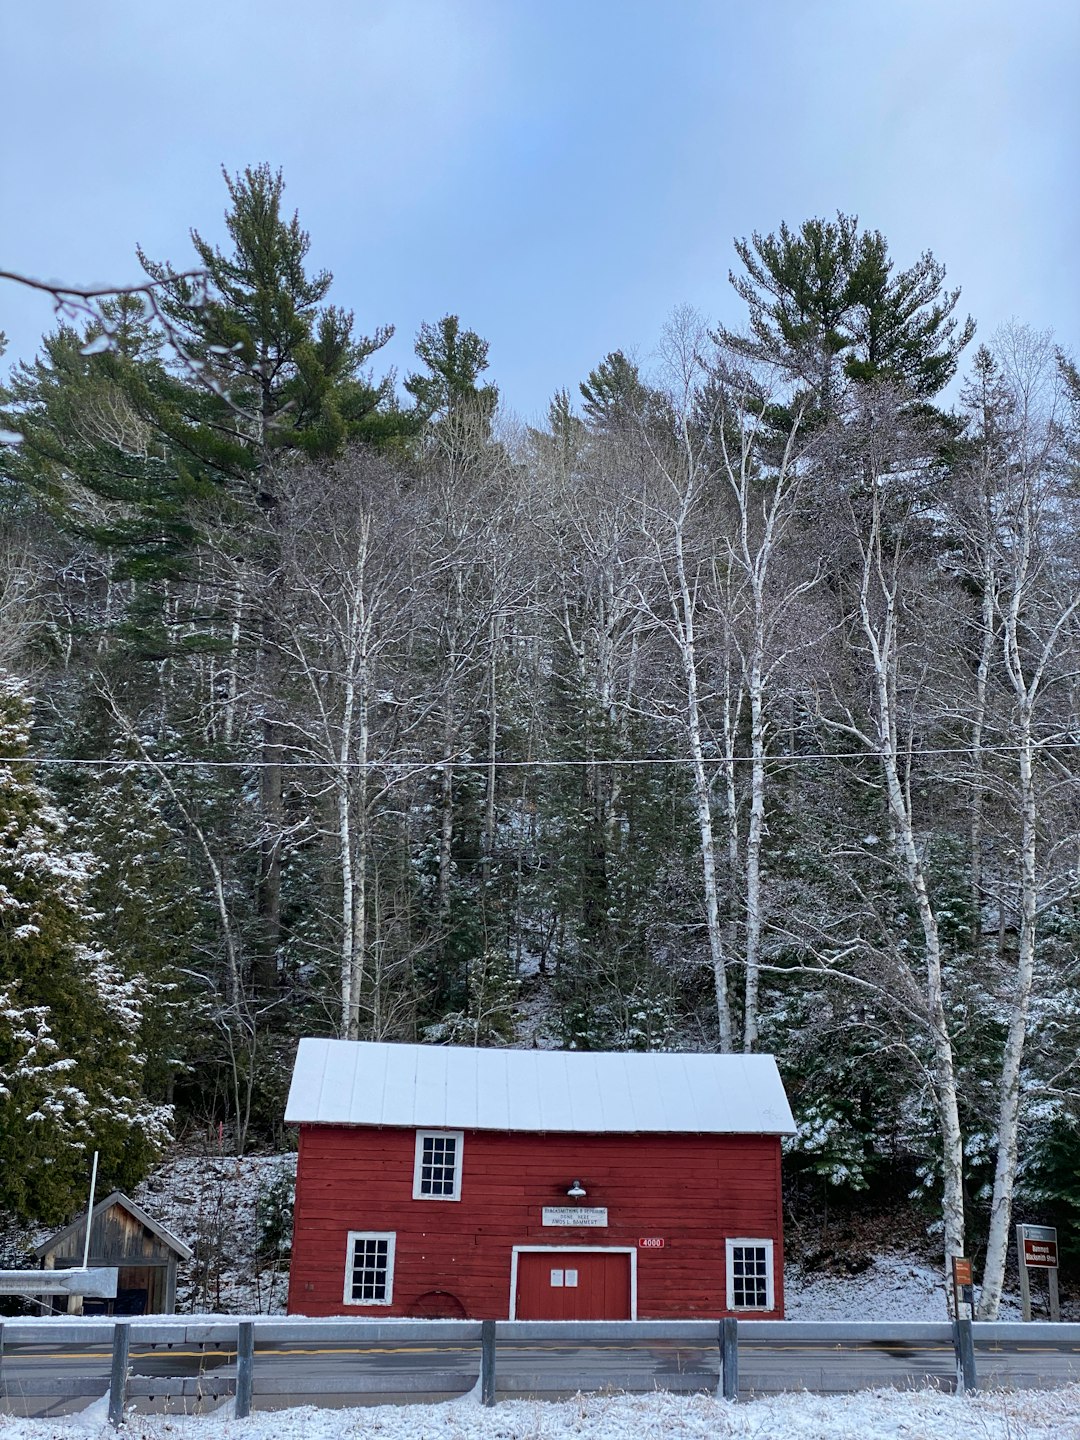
pixel 750 1275
pixel 369 1267
pixel 437 1172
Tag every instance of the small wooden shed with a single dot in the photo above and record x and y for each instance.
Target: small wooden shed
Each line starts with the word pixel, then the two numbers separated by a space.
pixel 122 1234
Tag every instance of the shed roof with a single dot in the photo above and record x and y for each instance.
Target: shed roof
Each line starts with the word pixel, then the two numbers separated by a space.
pixel 353 1082
pixel 117 1197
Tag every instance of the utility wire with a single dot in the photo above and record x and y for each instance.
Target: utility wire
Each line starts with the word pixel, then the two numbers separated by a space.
pixel 450 762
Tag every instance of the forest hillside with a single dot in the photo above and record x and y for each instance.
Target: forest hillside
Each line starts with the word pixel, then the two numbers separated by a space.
pixel 733 707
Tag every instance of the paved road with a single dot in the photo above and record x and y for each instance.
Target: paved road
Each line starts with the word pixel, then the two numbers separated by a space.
pixel 45 1380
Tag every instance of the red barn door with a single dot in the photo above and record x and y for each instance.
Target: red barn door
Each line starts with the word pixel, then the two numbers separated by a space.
pixel 573 1285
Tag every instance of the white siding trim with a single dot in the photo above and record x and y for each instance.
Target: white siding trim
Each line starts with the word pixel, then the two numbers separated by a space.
pixel 573 1250
pixel 770 1274
pixel 350 1251
pixel 421 1135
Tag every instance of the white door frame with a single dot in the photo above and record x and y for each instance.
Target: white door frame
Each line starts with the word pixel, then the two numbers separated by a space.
pixel 517 1250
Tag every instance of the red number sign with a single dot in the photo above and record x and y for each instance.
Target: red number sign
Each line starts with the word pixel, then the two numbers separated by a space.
pixel 651 1242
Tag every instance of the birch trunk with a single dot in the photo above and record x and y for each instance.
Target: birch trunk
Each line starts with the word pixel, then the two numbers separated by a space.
pixel 352 831
pixel 684 603
pixel 233 683
pixel 997 1242
pixel 882 644
pixel 760 524
pixel 978 724
pixel 754 836
pixel 492 747
pixel 446 785
pixel 1026 668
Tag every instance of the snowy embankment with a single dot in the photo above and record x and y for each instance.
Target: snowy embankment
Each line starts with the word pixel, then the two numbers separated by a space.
pixel 212 1203
pixel 875 1415
pixel 895 1287
pixel 217 1204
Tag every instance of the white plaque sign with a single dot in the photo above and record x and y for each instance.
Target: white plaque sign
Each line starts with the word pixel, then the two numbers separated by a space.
pixel 575 1215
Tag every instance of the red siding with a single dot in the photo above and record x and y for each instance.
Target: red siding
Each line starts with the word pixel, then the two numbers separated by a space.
pixel 693 1191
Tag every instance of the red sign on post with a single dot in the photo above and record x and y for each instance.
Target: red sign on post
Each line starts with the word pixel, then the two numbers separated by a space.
pixel 1040 1254
pixel 651 1242
pixel 1037 1249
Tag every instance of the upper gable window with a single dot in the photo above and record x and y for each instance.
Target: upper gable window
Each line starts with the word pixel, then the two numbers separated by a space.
pixel 437 1173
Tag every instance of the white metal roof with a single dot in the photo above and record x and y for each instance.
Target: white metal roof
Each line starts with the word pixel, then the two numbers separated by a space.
pixel 350 1082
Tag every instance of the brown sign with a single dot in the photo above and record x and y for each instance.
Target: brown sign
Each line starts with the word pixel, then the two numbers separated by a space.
pixel 1040 1254
pixel 961 1271
pixel 651 1242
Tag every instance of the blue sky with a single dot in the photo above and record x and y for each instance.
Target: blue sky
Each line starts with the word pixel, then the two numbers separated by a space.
pixel 561 175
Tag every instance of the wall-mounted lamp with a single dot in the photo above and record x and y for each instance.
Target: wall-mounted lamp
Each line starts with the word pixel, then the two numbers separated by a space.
pixel 576 1191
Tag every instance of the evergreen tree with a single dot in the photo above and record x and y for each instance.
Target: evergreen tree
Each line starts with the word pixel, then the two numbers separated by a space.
pixel 285 368
pixel 614 394
pixel 455 360
pixel 148 911
pixel 151 447
pixel 825 304
pixel 92 454
pixel 71 1062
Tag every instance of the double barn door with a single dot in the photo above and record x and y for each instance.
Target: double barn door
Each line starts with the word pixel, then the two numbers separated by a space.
pixel 573 1285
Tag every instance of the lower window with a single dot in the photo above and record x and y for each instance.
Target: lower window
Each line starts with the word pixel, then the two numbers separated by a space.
pixel 369 1267
pixel 750 1275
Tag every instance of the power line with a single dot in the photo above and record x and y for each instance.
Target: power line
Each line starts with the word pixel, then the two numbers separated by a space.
pixel 452 763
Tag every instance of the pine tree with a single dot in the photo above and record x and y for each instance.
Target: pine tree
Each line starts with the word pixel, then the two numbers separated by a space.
pixel 615 396
pixel 148 911
pixel 455 360
pixel 281 372
pixel 288 370
pixel 826 304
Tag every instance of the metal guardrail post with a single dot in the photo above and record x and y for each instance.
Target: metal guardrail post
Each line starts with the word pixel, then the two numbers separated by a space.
pixel 118 1378
pixel 964 1344
pixel 487 1362
pixel 1 1360
pixel 245 1369
pixel 729 1358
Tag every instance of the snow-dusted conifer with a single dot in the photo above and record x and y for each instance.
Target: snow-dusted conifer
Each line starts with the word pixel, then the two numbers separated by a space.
pixel 70 1064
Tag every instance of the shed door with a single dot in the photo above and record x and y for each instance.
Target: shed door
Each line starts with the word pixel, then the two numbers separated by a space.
pixel 573 1285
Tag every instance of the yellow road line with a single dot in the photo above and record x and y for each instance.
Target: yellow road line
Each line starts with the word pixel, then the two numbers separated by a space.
pixel 823 1348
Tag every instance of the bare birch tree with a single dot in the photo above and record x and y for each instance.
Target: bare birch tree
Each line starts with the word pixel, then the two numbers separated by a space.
pixel 1022 555
pixel 349 585
pixel 878 475
pixel 723 498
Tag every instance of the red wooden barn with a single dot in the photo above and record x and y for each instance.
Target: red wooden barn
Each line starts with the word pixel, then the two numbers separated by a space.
pixel 533 1184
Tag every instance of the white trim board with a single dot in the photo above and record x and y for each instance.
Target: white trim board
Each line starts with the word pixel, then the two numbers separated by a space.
pixel 573 1250
pixel 390 1236
pixel 770 1274
pixel 418 1162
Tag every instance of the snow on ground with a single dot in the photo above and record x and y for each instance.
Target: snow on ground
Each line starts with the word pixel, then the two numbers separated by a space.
pixel 895 1287
pixel 220 1205
pixel 872 1415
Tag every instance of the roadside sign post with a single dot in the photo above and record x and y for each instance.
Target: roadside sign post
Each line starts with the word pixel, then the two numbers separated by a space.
pixel 1037 1249
pixel 963 1289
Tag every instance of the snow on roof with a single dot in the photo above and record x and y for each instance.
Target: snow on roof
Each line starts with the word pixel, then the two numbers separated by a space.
pixel 352 1082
